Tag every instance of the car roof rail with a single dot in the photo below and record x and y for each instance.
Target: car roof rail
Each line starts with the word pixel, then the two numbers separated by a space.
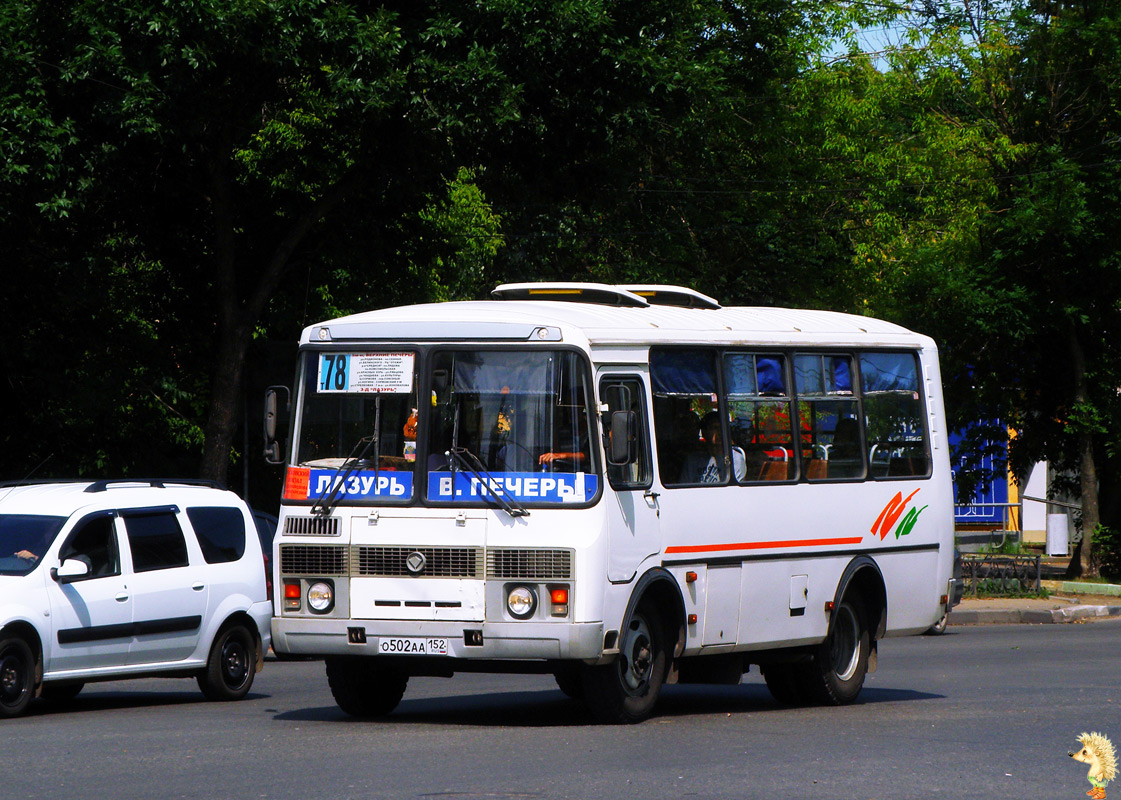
pixel 158 483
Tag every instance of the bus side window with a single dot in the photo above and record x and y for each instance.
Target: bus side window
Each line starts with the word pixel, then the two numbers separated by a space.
pixel 685 396
pixel 895 423
pixel 758 400
pixel 625 395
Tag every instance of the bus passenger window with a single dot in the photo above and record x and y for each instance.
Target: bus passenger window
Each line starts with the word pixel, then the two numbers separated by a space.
pixel 896 433
pixel 829 416
pixel 761 420
pixel 685 393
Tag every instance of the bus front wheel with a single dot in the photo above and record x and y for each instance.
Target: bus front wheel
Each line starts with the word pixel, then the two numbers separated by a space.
pixel 364 689
pixel 626 690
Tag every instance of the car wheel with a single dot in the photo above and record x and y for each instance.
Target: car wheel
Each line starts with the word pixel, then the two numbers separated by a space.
pixel 231 666
pixel 626 690
pixel 17 676
pixel 364 688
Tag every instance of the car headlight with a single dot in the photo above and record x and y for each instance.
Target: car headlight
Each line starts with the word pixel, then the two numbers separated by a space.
pixel 320 597
pixel 522 602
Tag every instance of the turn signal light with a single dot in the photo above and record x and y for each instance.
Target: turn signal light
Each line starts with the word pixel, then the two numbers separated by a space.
pixel 558 601
pixel 291 595
pixel 690 577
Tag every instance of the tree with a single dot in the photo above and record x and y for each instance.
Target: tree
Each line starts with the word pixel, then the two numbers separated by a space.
pixel 981 163
pixel 173 167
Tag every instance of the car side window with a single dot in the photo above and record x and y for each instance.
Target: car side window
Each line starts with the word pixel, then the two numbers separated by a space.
pixel 155 540
pixel 220 533
pixel 94 541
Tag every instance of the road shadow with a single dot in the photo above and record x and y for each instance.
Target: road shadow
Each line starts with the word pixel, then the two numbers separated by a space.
pixel 92 700
pixel 552 709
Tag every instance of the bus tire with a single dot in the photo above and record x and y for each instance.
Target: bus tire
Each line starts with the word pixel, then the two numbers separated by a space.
pixel 626 690
pixel 17 676
pixel 571 682
pixel 785 683
pixel 836 673
pixel 363 688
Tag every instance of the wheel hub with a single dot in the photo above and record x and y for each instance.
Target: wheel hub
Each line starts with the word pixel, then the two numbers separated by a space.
pixel 638 656
pixel 235 664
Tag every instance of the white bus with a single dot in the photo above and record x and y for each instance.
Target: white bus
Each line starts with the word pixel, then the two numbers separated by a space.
pixel 624 486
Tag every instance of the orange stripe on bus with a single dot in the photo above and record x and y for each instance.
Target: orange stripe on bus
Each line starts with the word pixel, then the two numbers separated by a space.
pixel 712 548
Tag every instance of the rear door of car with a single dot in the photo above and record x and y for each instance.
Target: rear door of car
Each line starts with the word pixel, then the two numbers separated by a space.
pixel 169 586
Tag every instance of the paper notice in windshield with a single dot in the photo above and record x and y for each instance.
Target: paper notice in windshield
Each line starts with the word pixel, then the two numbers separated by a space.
pixel 366 373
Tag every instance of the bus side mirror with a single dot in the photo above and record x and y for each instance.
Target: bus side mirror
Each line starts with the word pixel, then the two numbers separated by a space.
pixel 622 437
pixel 273 453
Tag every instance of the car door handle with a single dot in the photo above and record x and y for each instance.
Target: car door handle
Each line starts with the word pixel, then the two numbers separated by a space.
pixel 198 587
pixel 122 597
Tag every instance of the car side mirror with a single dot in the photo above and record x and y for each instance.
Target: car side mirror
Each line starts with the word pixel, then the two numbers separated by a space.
pixel 70 570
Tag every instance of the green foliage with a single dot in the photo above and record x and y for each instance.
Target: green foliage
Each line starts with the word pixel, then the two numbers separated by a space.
pixel 1107 542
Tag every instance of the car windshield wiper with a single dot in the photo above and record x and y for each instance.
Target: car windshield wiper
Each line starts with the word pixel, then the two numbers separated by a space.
pixel 469 462
pixel 329 499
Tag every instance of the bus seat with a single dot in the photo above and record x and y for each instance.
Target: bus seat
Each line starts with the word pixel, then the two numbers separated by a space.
pixel 773 471
pixel 817 469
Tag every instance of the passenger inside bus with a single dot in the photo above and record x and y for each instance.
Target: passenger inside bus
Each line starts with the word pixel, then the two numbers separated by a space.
pixel 707 465
pixel 677 440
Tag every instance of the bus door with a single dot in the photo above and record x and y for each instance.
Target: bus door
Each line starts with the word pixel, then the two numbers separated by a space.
pixel 632 505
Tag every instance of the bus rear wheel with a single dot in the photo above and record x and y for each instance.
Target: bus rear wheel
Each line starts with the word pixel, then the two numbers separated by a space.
pixel 363 688
pixel 836 673
pixel 626 690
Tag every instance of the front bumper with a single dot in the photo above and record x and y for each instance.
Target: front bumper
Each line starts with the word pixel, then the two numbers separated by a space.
pixel 500 640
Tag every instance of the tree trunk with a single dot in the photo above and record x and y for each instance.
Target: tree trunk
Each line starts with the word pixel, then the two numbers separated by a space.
pixel 1088 473
pixel 238 311
pixel 225 396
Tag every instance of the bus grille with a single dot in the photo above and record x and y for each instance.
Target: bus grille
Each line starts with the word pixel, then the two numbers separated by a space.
pixel 440 562
pixel 524 564
pixel 311 526
pixel 310 559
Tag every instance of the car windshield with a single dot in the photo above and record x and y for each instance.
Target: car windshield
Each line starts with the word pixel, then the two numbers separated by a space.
pixel 24 539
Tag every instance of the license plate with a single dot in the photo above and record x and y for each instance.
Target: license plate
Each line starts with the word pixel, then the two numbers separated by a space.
pixel 412 645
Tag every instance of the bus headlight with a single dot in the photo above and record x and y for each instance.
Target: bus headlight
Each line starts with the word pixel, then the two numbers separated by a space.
pixel 320 597
pixel 522 602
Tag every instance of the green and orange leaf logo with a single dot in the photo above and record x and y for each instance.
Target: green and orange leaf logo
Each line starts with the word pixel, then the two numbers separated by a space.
pixel 891 514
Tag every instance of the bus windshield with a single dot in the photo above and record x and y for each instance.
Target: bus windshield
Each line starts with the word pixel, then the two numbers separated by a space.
pixel 512 414
pixel 495 421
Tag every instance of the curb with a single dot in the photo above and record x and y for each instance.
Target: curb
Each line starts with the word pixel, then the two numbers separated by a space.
pixel 1030 616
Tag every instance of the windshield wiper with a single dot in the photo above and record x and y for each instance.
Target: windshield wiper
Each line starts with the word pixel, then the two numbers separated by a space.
pixel 470 463
pixel 329 499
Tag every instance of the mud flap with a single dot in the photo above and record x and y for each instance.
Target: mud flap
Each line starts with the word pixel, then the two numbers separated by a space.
pixel 873 657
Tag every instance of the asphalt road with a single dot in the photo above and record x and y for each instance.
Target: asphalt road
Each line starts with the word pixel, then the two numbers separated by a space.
pixel 983 711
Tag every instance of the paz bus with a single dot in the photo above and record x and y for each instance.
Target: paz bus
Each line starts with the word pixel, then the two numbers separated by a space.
pixel 621 486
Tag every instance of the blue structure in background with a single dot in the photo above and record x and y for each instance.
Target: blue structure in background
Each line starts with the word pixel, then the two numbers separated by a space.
pixel 988 506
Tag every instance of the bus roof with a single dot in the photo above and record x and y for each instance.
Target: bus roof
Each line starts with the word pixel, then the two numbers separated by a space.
pixel 599 324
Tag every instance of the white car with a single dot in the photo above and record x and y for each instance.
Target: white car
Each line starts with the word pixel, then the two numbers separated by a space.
pixel 106 580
